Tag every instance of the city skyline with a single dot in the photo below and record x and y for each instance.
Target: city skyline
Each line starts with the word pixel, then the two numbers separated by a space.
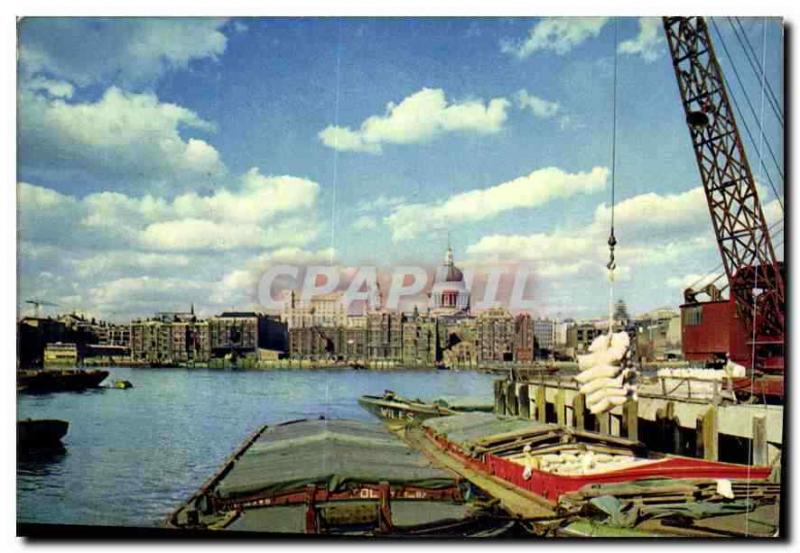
pixel 177 170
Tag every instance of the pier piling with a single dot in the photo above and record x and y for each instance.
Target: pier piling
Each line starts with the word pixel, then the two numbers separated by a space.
pixel 511 399
pixel 541 403
pixel 760 447
pixel 579 411
pixel 524 401
pixel 561 411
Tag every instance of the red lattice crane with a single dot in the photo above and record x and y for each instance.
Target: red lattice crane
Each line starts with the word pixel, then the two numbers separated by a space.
pixel 755 276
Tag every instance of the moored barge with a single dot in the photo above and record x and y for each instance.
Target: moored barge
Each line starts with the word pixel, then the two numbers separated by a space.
pixel 40 433
pixel 334 477
pixel 393 407
pixel 58 380
pixel 565 471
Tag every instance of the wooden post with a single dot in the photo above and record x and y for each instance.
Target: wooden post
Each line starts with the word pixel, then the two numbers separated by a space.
pixel 673 430
pixel 541 403
pixel 511 398
pixel 630 419
pixel 579 411
pixel 603 423
pixel 499 397
pixel 710 435
pixel 698 444
pixel 760 447
pixel 561 412
pixel 524 401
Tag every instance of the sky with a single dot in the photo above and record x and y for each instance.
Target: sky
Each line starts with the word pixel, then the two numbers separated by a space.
pixel 164 162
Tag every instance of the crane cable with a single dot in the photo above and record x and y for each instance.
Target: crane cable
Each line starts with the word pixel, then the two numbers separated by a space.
pixel 752 112
pixel 754 65
pixel 755 275
pixel 612 240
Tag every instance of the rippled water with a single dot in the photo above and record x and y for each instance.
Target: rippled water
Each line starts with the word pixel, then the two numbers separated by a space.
pixel 131 456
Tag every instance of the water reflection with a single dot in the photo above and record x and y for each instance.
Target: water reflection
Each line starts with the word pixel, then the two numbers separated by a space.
pixel 134 455
pixel 40 461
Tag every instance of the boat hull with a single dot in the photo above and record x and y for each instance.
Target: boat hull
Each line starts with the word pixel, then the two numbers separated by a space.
pixel 46 381
pixel 550 486
pixel 40 433
pixel 401 411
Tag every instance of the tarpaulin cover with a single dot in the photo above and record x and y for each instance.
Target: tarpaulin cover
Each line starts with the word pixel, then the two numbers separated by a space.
pixel 626 514
pixel 464 429
pixel 466 403
pixel 329 453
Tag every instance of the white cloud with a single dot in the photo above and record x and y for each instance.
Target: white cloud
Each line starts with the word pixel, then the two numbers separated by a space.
pixel 113 262
pixel 555 34
pixel 653 214
pixel 121 135
pixel 204 235
pixel 56 89
pixel 692 279
pixel 540 107
pixel 131 51
pixel 534 247
pixel 145 294
pixel 653 230
pixel 381 203
pixel 241 285
pixel 539 187
pixel 264 211
pixel 649 43
pixel 365 222
pixel 119 256
pixel 421 117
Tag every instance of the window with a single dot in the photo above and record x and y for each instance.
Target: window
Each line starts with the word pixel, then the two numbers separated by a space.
pixel 693 316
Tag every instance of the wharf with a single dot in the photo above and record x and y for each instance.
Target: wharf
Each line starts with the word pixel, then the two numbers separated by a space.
pixel 706 427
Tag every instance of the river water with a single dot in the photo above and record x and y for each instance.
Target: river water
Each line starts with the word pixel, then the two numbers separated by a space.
pixel 131 456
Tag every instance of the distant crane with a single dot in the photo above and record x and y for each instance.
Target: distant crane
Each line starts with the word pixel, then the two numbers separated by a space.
pixel 37 305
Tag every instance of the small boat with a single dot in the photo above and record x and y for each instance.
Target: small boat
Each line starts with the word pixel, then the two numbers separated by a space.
pixel 392 407
pixel 335 477
pixel 565 470
pixel 59 380
pixel 123 384
pixel 40 433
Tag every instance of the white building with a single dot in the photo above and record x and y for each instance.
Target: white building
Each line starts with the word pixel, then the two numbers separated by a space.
pixel 326 310
pixel 449 294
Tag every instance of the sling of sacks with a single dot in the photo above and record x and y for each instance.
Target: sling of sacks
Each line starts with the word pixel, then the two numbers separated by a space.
pixel 582 462
pixel 602 378
pixel 573 462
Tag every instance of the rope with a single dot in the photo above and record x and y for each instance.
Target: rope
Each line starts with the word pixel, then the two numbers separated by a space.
pixel 716 269
pixel 335 145
pixel 755 277
pixel 757 69
pixel 752 111
pixel 612 240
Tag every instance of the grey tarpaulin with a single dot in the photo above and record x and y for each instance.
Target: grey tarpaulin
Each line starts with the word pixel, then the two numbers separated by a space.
pixel 329 453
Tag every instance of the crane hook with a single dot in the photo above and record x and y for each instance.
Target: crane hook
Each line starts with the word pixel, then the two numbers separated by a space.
pixel 612 241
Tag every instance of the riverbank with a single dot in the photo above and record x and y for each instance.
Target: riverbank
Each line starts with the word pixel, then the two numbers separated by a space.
pixel 252 364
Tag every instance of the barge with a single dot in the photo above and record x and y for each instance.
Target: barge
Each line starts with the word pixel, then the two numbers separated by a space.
pixel 59 380
pixel 335 477
pixel 41 433
pixel 565 471
pixel 392 407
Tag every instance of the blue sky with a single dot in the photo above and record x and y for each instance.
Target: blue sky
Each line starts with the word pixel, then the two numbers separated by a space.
pixel 173 160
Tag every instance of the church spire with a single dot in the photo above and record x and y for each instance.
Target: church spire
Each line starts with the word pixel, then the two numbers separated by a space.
pixel 448 260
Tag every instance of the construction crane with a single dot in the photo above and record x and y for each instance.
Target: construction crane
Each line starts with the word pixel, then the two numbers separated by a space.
pixel 37 305
pixel 755 276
